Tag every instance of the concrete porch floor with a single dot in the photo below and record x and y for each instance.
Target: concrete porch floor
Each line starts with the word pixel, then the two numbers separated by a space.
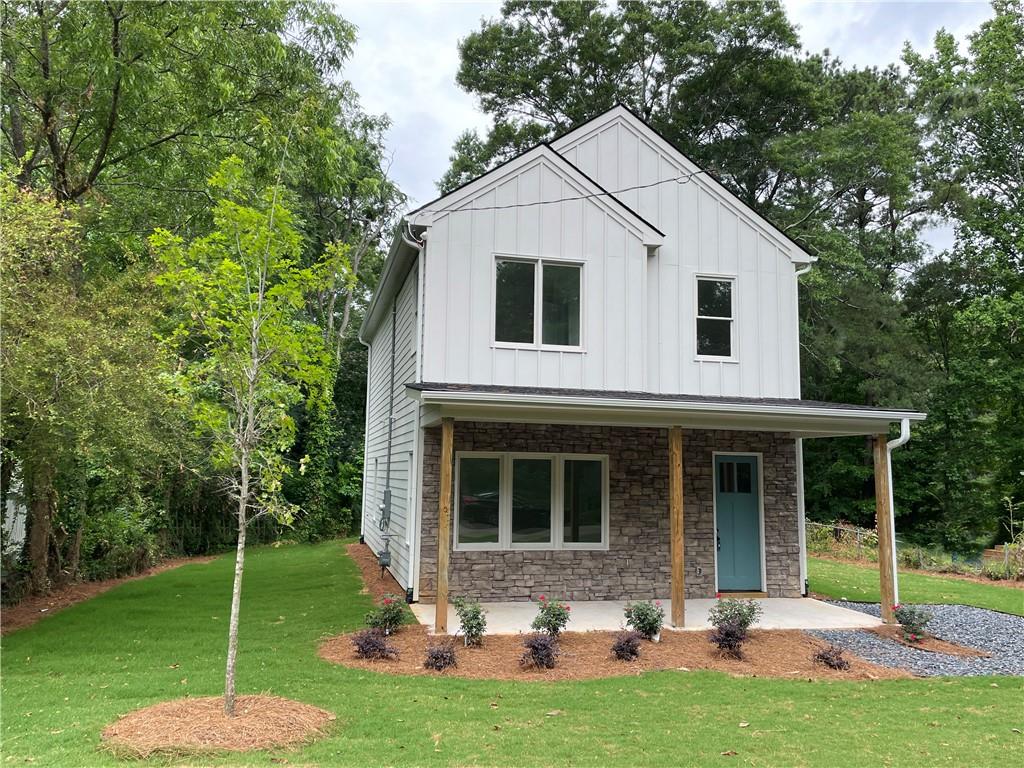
pixel 607 615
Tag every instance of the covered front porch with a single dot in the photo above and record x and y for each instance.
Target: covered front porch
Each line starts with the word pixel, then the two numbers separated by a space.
pixel 511 618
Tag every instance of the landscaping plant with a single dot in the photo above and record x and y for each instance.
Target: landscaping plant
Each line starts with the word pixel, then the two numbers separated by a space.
pixel 832 657
pixel 552 616
pixel 472 621
pixel 738 613
pixel 646 618
pixel 388 616
pixel 440 657
pixel 626 646
pixel 541 651
pixel 729 636
pixel 913 620
pixel 373 644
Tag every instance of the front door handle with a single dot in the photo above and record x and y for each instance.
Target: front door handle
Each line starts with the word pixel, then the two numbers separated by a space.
pixel 718 542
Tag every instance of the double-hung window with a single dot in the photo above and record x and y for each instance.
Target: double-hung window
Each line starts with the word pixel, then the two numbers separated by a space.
pixel 715 318
pixel 537 302
pixel 531 501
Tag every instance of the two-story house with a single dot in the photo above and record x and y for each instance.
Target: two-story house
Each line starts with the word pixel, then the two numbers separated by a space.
pixel 584 382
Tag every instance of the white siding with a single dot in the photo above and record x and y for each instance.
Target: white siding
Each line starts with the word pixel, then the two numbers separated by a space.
pixel 459 284
pixel 706 231
pixel 403 443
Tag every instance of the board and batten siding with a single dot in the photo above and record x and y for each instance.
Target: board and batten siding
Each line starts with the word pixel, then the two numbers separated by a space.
pixel 707 231
pixel 404 455
pixel 459 300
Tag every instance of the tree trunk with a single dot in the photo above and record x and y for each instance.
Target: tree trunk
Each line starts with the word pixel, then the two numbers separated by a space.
pixel 236 596
pixel 40 519
pixel 75 555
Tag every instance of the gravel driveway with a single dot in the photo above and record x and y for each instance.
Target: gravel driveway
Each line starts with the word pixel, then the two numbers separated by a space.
pixel 999 634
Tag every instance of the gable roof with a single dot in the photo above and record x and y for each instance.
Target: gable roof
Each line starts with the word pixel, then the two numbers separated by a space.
pixel 702 175
pixel 543 152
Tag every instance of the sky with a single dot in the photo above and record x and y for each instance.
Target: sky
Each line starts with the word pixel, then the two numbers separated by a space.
pixel 406 58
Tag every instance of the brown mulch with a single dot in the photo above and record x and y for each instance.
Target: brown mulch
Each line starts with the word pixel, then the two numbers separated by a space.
pixel 927 643
pixel 36 607
pixel 587 655
pixel 373 583
pixel 199 725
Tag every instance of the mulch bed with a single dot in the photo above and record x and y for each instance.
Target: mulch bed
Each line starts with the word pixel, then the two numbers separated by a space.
pixel 373 583
pixel 587 655
pixel 32 609
pixel 199 725
pixel 927 643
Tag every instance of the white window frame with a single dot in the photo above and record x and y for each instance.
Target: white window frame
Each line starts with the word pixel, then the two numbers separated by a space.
pixel 505 542
pixel 733 356
pixel 538 302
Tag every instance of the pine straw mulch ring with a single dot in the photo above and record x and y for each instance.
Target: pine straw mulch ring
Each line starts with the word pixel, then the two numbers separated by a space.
pixel 587 655
pixel 199 725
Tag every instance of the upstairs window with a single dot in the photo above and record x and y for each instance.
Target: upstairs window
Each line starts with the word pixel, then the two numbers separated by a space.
pixel 537 302
pixel 715 317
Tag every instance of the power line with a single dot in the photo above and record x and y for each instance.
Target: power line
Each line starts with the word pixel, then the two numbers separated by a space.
pixel 683 179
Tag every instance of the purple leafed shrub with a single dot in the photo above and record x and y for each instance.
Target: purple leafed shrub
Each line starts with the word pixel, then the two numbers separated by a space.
pixel 541 652
pixel 373 644
pixel 440 657
pixel 626 646
pixel 832 658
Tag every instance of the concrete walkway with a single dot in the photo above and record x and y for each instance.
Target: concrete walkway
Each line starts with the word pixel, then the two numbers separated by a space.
pixel 607 615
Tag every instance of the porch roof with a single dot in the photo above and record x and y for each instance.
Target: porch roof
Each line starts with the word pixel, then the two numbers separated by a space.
pixel 802 418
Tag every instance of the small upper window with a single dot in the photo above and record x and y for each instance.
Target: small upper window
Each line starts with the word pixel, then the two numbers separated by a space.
pixel 537 298
pixel 714 317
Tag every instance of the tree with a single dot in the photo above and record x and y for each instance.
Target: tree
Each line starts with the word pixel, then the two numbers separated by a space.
pixel 248 350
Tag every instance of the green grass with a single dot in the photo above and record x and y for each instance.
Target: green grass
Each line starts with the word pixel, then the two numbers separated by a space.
pixel 858 582
pixel 164 637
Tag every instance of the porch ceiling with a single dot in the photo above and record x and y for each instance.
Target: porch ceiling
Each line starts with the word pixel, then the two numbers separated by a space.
pixel 801 418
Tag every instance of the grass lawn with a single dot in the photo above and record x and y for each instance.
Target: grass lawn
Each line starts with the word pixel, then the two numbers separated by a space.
pixel 164 637
pixel 858 582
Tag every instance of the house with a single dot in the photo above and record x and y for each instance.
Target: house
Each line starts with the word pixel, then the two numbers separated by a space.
pixel 584 382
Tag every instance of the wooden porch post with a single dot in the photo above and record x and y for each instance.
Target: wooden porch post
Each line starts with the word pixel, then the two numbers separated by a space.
pixel 444 527
pixel 884 528
pixel 675 493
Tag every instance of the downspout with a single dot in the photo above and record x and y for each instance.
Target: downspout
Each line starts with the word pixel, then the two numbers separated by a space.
pixel 412 515
pixel 901 440
pixel 800 505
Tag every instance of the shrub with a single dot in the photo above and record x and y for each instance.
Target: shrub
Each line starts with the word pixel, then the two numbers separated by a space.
pixel 373 644
pixel 997 571
pixel 552 616
pixel 738 613
pixel 440 657
pixel 626 646
pixel 913 620
pixel 389 616
pixel 645 617
pixel 541 652
pixel 472 622
pixel 832 658
pixel 729 637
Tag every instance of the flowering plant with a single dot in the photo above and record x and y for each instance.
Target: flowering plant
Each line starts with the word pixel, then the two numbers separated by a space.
pixel 389 616
pixel 913 620
pixel 645 617
pixel 552 616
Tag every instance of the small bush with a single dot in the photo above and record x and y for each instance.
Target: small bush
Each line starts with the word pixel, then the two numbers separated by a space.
pixel 645 617
pixel 832 658
pixel 626 646
pixel 552 616
pixel 388 617
pixel 913 620
pixel 999 571
pixel 541 652
pixel 729 637
pixel 373 644
pixel 738 613
pixel 440 657
pixel 472 621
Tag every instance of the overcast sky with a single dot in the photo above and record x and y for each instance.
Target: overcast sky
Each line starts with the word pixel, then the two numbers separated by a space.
pixel 406 58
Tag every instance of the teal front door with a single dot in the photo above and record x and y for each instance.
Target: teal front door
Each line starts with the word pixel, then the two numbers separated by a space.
pixel 738 524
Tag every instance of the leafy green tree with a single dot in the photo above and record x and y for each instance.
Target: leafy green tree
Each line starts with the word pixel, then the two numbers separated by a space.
pixel 248 350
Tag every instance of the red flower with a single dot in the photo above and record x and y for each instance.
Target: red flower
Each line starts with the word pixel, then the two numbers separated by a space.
pixel 387 601
pixel 718 594
pixel 568 607
pixel 541 598
pixel 658 603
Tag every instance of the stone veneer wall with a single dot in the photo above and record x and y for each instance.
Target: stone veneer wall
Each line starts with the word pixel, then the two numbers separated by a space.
pixel 636 565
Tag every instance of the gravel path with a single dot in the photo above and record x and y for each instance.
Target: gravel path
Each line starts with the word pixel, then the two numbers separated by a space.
pixel 999 634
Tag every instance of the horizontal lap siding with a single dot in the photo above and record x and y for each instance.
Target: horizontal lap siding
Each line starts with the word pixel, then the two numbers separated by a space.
pixel 403 444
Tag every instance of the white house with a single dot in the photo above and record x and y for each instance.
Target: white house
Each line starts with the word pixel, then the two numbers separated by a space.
pixel 584 381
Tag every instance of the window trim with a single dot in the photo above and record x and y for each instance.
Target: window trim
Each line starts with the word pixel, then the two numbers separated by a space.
pixel 733 356
pixel 505 543
pixel 538 302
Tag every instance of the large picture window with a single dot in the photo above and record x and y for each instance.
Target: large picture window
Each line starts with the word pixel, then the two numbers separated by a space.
pixel 537 301
pixel 715 317
pixel 531 501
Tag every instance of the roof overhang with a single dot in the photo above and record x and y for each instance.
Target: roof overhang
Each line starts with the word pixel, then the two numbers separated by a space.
pixel 795 417
pixel 400 259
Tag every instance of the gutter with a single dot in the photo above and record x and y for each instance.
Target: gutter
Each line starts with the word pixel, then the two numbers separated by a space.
pixel 889 446
pixel 801 506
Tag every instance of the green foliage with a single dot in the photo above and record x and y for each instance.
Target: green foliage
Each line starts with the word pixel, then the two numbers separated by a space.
pixel 913 620
pixel 645 617
pixel 388 616
pixel 472 620
pixel 740 614
pixel 552 616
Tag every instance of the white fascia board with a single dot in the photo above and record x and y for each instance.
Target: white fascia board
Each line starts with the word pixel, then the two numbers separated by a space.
pixel 796 254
